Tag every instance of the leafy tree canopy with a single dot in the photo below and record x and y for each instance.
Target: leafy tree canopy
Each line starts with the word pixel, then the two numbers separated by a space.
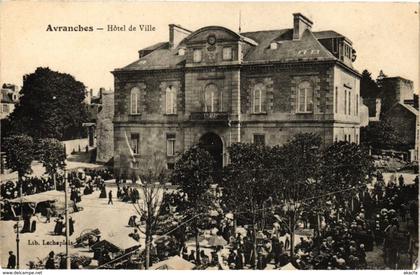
pixel 381 135
pixel 52 155
pixel 20 153
pixel 345 165
pixel 193 172
pixel 51 106
pixel 368 87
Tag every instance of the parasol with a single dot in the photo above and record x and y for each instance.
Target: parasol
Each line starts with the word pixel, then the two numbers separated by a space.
pixel 214 241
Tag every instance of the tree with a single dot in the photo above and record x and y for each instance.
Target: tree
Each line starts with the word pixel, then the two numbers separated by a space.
pixel 380 78
pixel 51 106
pixel 381 135
pixel 52 156
pixel 346 166
pixel 149 206
pixel 368 86
pixel 20 153
pixel 193 175
pixel 248 186
pixel 298 169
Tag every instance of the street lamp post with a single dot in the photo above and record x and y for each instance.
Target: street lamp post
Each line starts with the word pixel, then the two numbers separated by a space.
pixel 17 229
pixel 66 209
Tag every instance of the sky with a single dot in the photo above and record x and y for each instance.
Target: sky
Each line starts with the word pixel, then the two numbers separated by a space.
pixel 385 35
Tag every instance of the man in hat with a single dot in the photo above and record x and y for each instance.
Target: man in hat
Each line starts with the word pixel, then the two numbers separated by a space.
pixel 11 264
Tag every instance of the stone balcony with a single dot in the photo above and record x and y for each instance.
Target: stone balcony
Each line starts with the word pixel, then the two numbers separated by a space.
pixel 209 116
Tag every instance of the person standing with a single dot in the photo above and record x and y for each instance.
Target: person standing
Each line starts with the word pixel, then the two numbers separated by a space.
pixel 50 264
pixel 71 226
pixel 11 264
pixel 110 197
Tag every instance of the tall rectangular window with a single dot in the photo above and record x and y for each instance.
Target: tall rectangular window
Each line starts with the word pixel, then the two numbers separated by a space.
pixel 336 100
pixel 349 102
pixel 170 145
pixel 357 105
pixel 305 97
pixel 345 102
pixel 135 143
pixel 135 101
pixel 259 139
pixel 257 100
pixel 170 100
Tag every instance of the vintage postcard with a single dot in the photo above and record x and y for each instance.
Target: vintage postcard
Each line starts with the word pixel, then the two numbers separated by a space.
pixel 209 136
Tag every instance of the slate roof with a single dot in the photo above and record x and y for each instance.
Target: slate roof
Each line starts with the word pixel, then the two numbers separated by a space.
pixel 163 57
pixel 408 107
pixel 327 34
pixel 287 49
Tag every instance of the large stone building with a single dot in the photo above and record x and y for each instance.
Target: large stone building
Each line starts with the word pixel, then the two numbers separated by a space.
pixel 216 87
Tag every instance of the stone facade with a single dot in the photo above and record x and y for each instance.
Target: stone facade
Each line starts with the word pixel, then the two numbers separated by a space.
pixel 105 128
pixel 405 119
pixel 226 93
pixel 395 89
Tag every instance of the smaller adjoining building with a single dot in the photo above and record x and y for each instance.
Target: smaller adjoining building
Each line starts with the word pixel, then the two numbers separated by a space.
pixel 9 98
pixel 404 118
pixel 395 90
pixel 399 106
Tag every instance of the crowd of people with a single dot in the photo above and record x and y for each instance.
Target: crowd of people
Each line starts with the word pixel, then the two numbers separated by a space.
pixel 128 194
pixel 30 186
pixel 334 236
pixel 340 233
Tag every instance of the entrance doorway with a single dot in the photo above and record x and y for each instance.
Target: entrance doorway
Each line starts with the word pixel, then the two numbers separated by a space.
pixel 213 144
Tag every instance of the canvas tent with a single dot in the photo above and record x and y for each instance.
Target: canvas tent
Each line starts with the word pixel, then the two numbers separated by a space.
pixel 40 197
pixel 173 263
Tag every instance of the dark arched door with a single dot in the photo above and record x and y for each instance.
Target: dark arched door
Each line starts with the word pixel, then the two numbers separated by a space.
pixel 213 144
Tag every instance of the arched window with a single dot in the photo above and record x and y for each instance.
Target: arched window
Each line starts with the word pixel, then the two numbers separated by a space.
pixel 305 97
pixel 212 99
pixel 170 100
pixel 135 101
pixel 258 98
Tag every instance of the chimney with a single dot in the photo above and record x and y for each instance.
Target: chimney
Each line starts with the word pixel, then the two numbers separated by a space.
pixel 177 34
pixel 101 91
pixel 300 24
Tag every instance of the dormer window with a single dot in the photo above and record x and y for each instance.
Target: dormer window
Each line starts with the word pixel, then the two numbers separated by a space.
pixel 227 53
pixel 347 51
pixel 197 56
pixel 181 52
pixel 273 46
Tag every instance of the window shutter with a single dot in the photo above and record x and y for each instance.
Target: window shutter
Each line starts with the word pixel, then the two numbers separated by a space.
pixel 174 100
pixel 168 100
pixel 309 99
pixel 138 102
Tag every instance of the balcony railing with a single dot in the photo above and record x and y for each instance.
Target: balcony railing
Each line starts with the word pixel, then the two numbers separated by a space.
pixel 209 116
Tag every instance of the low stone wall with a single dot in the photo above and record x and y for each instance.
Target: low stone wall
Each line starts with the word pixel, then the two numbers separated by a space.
pixel 75 145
